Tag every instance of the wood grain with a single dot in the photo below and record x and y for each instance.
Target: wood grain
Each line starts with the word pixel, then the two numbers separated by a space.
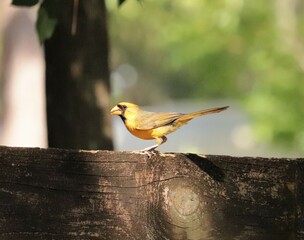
pixel 74 194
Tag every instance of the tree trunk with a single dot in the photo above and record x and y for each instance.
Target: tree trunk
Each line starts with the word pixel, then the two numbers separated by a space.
pixel 70 194
pixel 77 78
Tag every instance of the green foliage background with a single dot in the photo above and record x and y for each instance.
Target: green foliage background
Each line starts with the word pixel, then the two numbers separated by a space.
pixel 249 51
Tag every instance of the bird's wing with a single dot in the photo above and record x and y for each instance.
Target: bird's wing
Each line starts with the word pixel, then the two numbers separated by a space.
pixel 151 120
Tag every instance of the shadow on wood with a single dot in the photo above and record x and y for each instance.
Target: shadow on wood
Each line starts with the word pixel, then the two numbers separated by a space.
pixel 69 194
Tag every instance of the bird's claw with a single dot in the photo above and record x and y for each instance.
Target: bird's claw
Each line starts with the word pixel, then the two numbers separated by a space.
pixel 148 153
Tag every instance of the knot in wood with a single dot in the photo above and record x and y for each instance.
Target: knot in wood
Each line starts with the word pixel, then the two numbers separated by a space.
pixel 185 201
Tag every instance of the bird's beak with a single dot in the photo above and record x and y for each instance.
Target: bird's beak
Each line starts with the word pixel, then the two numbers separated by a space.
pixel 116 111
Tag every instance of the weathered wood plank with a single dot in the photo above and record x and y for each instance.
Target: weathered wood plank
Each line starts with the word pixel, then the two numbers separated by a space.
pixel 69 194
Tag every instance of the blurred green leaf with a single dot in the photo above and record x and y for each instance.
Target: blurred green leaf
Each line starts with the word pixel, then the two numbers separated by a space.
pixel 25 3
pixel 47 19
pixel 120 2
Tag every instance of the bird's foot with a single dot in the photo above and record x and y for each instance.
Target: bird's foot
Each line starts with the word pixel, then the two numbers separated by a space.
pixel 148 153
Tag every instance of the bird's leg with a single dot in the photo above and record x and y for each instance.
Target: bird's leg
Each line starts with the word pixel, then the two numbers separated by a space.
pixel 159 141
pixel 149 151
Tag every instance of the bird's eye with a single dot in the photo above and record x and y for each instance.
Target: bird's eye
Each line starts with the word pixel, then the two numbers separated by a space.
pixel 122 107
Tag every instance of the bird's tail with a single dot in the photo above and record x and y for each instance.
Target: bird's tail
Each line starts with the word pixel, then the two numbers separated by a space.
pixel 187 117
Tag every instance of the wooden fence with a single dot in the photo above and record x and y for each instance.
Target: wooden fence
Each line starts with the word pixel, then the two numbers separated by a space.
pixel 70 194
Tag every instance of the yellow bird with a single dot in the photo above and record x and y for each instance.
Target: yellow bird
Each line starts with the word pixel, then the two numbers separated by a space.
pixel 155 125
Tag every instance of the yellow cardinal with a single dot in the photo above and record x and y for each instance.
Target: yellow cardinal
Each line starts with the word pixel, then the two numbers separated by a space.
pixel 155 125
